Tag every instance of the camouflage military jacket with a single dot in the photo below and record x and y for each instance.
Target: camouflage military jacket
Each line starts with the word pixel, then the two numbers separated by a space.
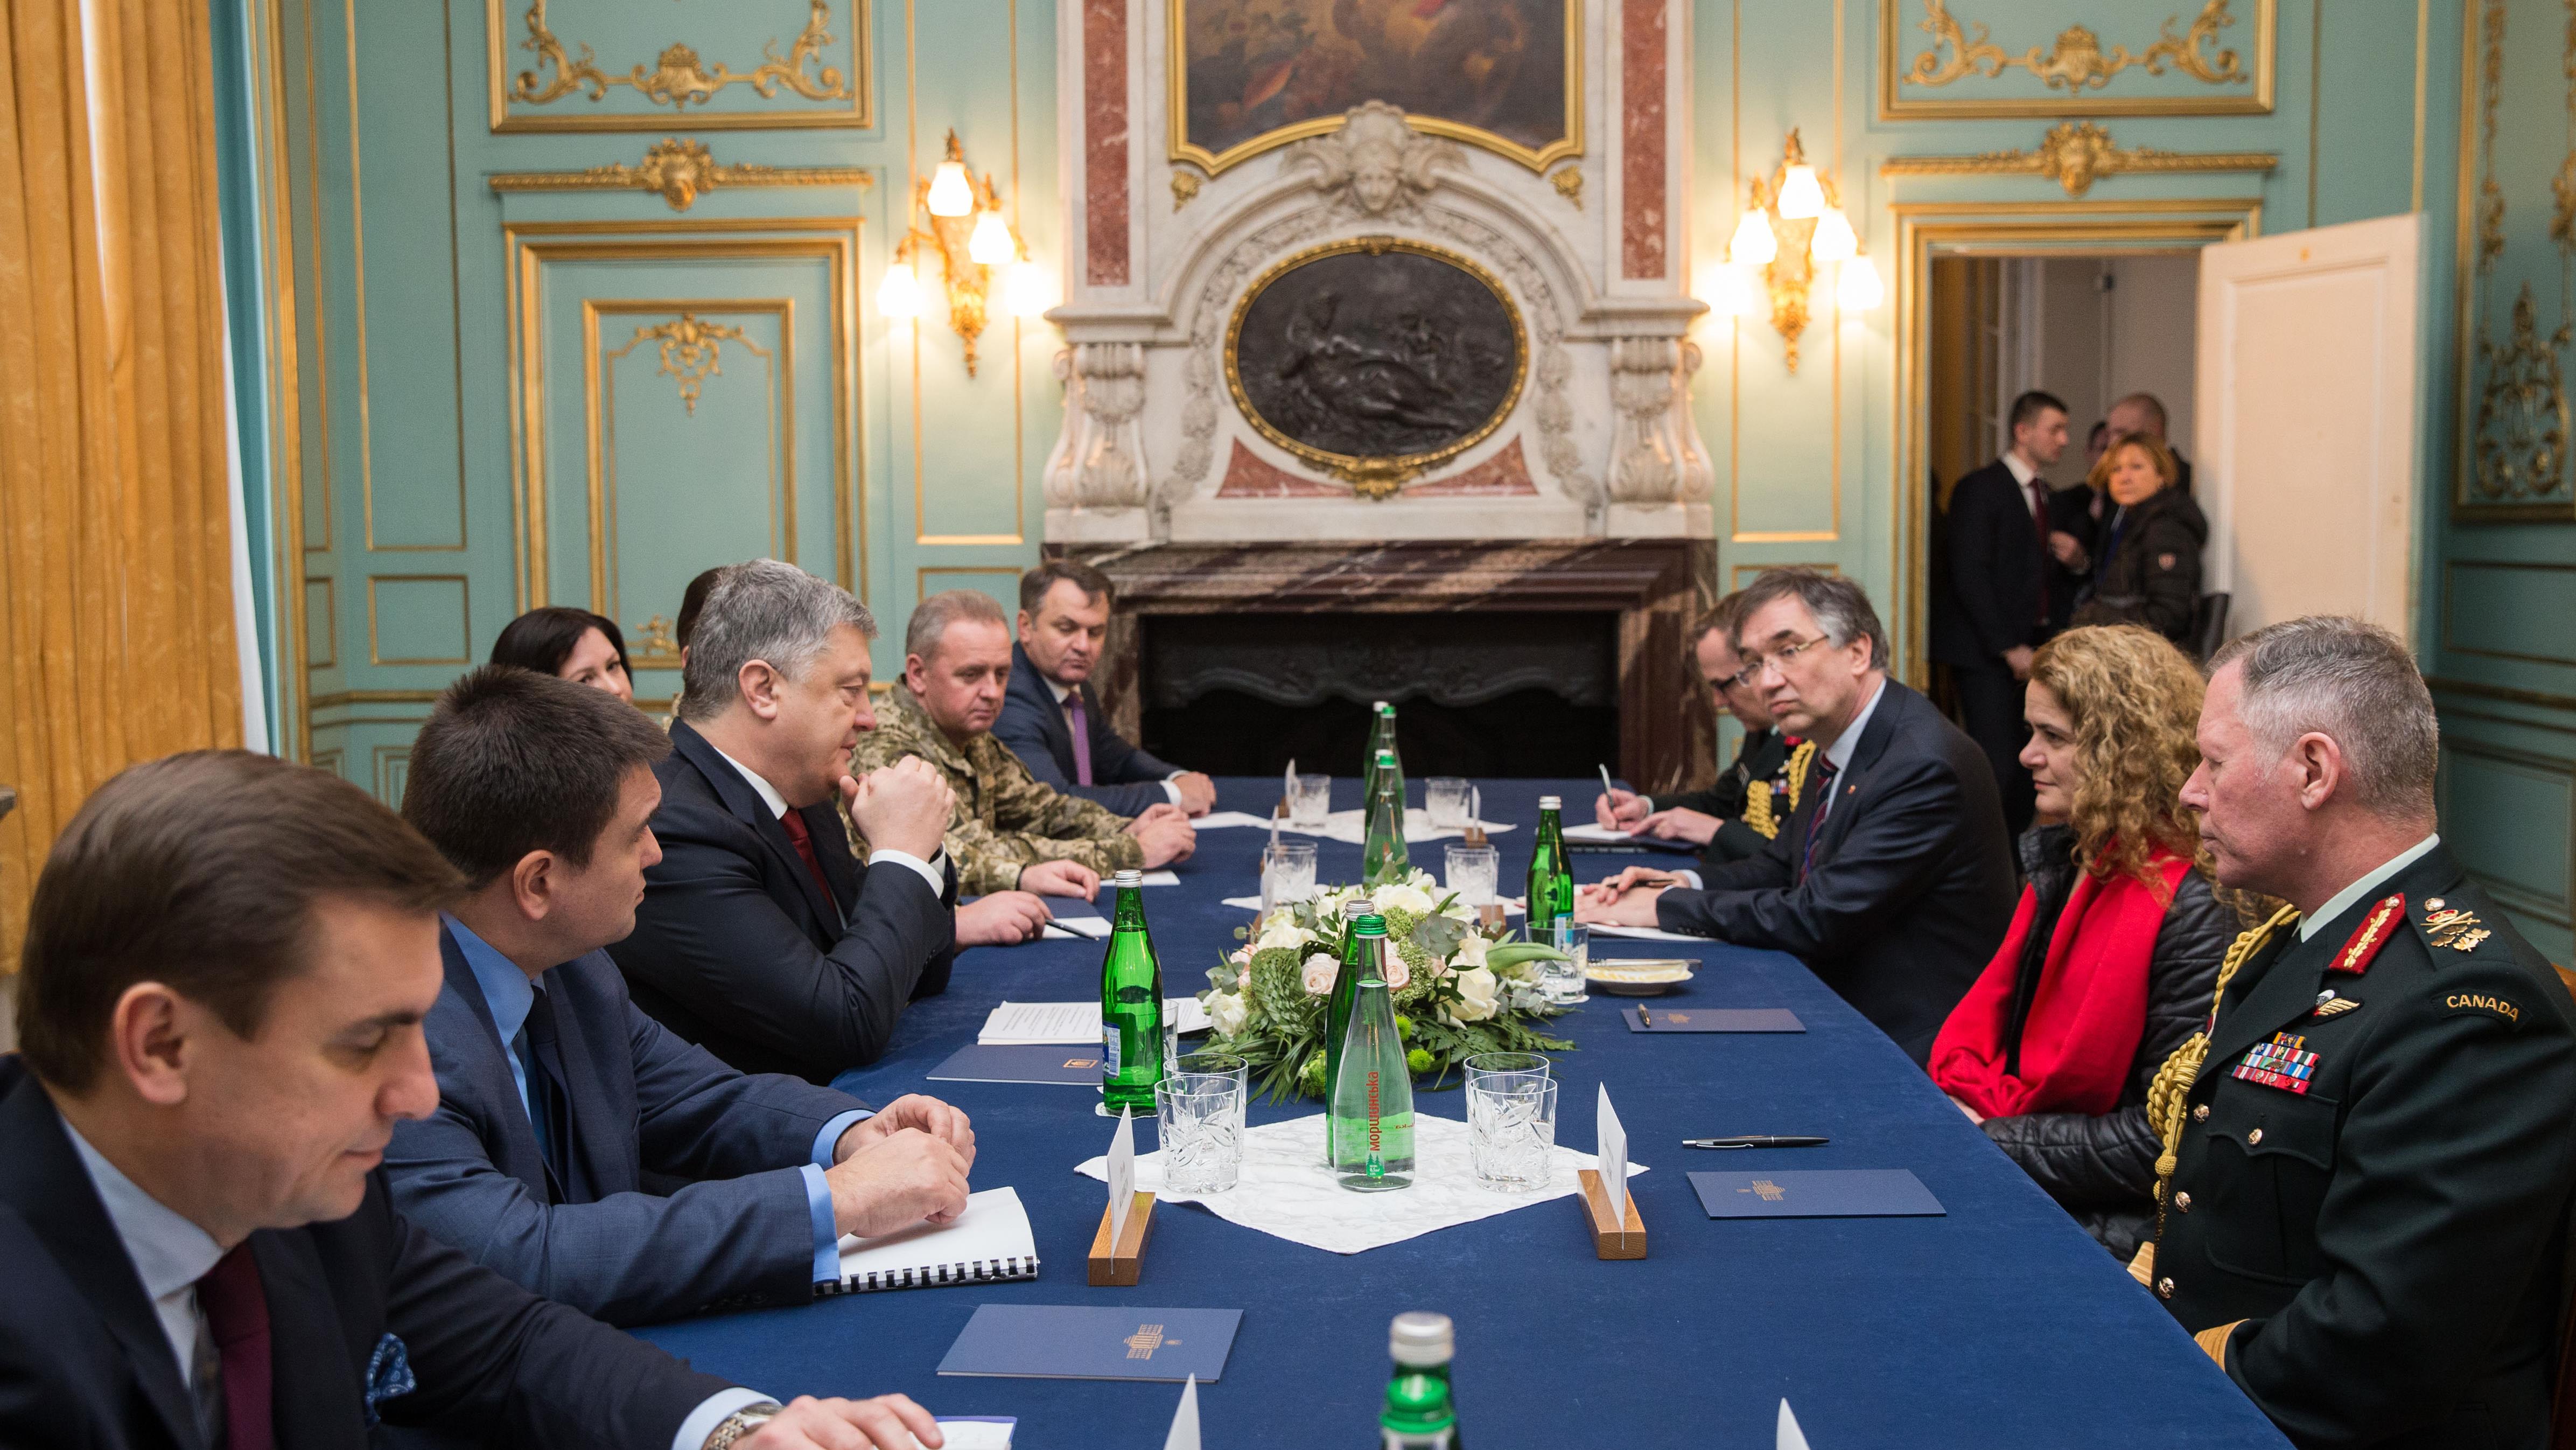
pixel 1006 819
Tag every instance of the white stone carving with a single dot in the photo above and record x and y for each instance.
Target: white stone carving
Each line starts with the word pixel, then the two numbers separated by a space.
pixel 1376 163
pixel 1655 455
pixel 1098 462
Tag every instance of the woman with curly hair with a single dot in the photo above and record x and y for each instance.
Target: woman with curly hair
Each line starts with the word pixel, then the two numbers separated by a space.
pixel 2110 959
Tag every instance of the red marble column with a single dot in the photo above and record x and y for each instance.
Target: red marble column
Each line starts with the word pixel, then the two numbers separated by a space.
pixel 1642 141
pixel 1104 142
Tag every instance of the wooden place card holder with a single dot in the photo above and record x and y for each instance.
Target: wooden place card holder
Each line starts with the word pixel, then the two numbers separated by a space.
pixel 1117 1264
pixel 1611 1239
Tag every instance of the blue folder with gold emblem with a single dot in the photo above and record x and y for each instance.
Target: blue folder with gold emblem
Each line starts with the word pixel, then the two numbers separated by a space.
pixel 1816 1193
pixel 1060 1341
pixel 976 1062
pixel 1711 1019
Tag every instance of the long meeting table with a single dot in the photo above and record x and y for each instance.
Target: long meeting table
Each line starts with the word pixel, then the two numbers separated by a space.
pixel 1997 1324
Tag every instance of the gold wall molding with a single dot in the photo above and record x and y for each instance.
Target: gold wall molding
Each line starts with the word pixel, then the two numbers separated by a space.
pixel 2075 154
pixel 2075 67
pixel 2512 464
pixel 691 349
pixel 1185 186
pixel 678 77
pixel 464 619
pixel 680 169
pixel 1568 182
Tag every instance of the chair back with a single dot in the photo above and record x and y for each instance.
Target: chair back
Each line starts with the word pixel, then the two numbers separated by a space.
pixel 2209 625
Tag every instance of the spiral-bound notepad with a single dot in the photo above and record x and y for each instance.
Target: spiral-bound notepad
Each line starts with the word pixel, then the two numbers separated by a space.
pixel 988 1243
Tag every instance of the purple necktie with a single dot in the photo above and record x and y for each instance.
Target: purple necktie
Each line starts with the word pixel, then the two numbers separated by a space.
pixel 1081 737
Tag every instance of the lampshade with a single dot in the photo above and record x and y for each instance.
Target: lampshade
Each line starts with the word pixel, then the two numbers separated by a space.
pixel 991 243
pixel 1800 196
pixel 1753 242
pixel 899 294
pixel 1026 290
pixel 1858 288
pixel 1833 241
pixel 950 193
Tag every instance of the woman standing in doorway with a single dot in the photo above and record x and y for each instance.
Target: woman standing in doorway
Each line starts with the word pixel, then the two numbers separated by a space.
pixel 2149 569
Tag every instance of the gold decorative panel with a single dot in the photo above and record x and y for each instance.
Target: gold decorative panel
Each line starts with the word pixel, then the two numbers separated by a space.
pixel 2075 154
pixel 2517 263
pixel 542 79
pixel 1945 63
pixel 679 169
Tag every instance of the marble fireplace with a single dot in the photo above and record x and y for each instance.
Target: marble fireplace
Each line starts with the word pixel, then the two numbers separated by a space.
pixel 1378 369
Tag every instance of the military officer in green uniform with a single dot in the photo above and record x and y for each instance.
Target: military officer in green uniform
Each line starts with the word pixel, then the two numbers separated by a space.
pixel 1739 814
pixel 1009 831
pixel 2370 1153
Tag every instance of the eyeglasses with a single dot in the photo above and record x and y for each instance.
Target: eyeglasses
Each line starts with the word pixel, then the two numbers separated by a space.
pixel 1778 659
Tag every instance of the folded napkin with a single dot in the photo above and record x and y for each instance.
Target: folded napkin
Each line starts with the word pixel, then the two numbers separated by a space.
pixel 1352 826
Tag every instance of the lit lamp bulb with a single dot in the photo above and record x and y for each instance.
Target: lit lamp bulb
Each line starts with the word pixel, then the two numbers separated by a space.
pixel 1025 292
pixel 899 294
pixel 1833 241
pixel 1858 289
pixel 991 244
pixel 1800 196
pixel 950 194
pixel 1753 243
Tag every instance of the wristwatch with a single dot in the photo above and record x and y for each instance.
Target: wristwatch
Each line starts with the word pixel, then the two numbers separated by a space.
pixel 740 1423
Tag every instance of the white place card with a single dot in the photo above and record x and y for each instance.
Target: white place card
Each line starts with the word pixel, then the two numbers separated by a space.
pixel 1185 1419
pixel 1612 1140
pixel 1789 1437
pixel 1122 1175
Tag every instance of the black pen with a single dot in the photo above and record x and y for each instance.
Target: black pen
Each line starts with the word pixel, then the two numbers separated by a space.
pixel 1755 1140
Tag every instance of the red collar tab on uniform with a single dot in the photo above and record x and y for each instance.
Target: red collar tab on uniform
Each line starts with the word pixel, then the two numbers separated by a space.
pixel 2382 923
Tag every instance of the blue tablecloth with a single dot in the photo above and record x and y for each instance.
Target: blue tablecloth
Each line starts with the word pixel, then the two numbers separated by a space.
pixel 1999 1324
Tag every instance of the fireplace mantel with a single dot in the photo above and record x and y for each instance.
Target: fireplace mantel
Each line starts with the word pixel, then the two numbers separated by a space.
pixel 1654 586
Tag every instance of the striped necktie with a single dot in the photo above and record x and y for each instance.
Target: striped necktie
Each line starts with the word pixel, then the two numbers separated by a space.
pixel 1825 773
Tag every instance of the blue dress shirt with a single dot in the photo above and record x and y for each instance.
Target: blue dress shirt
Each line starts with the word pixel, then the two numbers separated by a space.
pixel 509 993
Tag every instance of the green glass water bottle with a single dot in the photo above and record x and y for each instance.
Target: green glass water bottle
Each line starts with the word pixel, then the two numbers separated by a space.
pixel 1131 1006
pixel 1551 874
pixel 1381 740
pixel 1421 1411
pixel 1383 859
pixel 1370 1113
pixel 1363 952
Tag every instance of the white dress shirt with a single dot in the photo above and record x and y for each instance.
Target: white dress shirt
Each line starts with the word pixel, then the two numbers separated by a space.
pixel 1062 693
pixel 930 871
pixel 1837 755
pixel 2342 900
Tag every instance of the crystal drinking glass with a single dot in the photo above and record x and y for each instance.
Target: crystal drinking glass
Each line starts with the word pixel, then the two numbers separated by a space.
pixel 1475 873
pixel 1518 1066
pixel 1201 1118
pixel 1511 1131
pixel 1287 874
pixel 1563 981
pixel 1310 800
pixel 1445 797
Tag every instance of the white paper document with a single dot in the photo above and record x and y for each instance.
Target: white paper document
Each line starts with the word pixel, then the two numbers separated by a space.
pixel 1600 835
pixel 1161 878
pixel 1219 820
pixel 1352 826
pixel 1612 1139
pixel 1122 1176
pixel 1070 928
pixel 990 1433
pixel 1643 933
pixel 1072 1024
pixel 987 1243
pixel 1287 1192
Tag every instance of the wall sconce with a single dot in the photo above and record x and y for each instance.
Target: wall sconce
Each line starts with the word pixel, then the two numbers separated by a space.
pixel 1794 225
pixel 966 234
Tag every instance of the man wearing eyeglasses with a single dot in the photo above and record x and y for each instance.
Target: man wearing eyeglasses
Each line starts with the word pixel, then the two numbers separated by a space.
pixel 1893 879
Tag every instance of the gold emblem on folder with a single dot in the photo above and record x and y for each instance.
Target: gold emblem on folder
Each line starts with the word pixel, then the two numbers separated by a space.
pixel 1766 1190
pixel 1146 1339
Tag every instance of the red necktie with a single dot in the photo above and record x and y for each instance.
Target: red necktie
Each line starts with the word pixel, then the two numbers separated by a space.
pixel 804 842
pixel 237 1312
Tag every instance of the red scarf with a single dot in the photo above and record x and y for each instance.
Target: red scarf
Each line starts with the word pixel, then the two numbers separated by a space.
pixel 2087 1016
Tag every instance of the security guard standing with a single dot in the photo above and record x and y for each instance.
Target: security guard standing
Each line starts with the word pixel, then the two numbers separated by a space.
pixel 2370 1151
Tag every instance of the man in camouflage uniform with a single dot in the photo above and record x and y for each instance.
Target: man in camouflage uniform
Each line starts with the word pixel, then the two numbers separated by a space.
pixel 1009 829
pixel 2370 1151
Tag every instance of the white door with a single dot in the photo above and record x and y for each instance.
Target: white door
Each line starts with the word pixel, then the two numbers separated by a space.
pixel 2306 439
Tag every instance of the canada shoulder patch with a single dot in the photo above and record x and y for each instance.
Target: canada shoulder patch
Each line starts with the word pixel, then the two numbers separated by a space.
pixel 2166 562
pixel 2487 1002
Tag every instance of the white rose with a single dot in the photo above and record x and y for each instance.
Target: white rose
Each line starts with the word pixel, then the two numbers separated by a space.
pixel 1475 996
pixel 1405 897
pixel 1470 953
pixel 1241 956
pixel 1281 930
pixel 1398 971
pixel 1226 1012
pixel 1319 973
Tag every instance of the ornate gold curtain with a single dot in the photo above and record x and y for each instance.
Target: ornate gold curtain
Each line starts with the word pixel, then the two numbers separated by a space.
pixel 116 612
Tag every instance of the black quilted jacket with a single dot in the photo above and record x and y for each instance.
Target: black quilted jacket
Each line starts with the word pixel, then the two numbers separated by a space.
pixel 2102 1169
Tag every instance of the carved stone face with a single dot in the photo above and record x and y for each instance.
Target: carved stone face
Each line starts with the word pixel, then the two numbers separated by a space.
pixel 1376 176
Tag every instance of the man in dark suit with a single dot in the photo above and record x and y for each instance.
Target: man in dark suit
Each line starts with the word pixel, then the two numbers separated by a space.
pixel 760 937
pixel 557 1098
pixel 1893 881
pixel 2369 1159
pixel 1740 813
pixel 1051 719
pixel 228 960
pixel 2001 545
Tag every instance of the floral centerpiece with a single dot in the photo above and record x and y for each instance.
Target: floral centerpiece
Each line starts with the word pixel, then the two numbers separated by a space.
pixel 1458 990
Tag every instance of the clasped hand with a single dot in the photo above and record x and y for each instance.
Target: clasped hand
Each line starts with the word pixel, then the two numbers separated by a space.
pixel 1627 899
pixel 901 807
pixel 1166 834
pixel 905 1165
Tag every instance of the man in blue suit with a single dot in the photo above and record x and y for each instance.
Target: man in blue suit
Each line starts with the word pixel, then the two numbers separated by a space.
pixel 228 961
pixel 1052 720
pixel 560 1103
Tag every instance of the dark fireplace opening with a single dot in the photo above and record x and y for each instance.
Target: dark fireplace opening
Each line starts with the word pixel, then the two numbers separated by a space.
pixel 1477 693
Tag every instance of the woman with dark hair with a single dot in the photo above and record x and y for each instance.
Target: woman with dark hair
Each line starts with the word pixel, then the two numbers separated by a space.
pixel 2112 955
pixel 2149 568
pixel 572 644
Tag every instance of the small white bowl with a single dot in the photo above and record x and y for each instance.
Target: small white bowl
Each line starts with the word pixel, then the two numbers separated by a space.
pixel 1637 976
